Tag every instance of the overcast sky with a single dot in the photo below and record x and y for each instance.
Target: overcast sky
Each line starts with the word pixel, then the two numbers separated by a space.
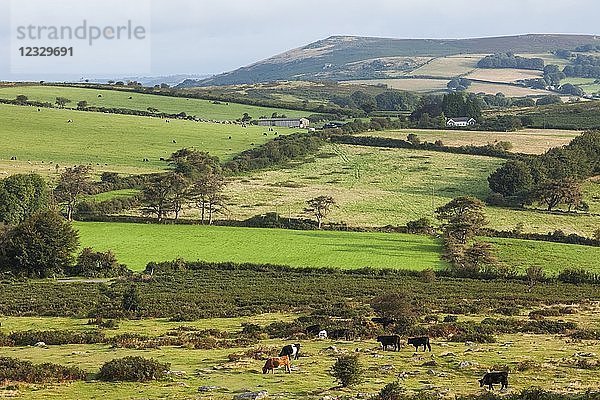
pixel 204 37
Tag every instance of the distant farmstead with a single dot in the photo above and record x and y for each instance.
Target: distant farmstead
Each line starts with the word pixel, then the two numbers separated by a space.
pixel 285 122
pixel 460 121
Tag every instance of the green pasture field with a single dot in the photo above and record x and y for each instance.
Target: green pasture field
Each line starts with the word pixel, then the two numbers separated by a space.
pixel 381 186
pixel 530 141
pixel 548 355
pixel 42 139
pixel 204 109
pixel 137 244
pixel 552 257
pixel 114 194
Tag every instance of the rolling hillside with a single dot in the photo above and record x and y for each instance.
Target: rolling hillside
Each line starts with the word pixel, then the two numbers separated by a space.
pixel 351 57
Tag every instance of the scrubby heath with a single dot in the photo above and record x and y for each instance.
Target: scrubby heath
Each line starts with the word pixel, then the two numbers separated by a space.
pixel 510 325
pixel 41 140
pixel 138 244
pixel 204 109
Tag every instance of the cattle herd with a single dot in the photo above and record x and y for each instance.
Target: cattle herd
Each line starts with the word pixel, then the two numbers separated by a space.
pixel 292 352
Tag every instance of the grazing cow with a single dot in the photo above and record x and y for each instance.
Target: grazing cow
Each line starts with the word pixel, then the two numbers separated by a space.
pixel 313 330
pixel 491 378
pixel 99 95
pixel 174 141
pixel 291 350
pixel 323 334
pixel 276 362
pixel 162 159
pixel 393 340
pixel 420 341
pixel 341 334
pixel 383 321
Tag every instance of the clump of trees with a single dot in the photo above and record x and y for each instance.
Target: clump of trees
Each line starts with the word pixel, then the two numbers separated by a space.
pixel 41 246
pixel 510 60
pixel 196 179
pixel 551 179
pixel 72 184
pixel 97 264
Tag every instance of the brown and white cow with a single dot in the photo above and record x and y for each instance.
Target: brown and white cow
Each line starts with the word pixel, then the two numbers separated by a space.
pixel 276 362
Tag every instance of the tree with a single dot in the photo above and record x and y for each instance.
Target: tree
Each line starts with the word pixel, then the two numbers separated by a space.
pixel 131 299
pixel 21 99
pixel 364 101
pixel 462 218
pixel 61 102
pixel 193 163
pixel 207 193
pixel 553 193
pixel 347 370
pixel 21 196
pixel 512 179
pixel 81 105
pixel 98 264
pixel 72 183
pixel 41 246
pixel 320 207
pixel 397 307
pixel 162 196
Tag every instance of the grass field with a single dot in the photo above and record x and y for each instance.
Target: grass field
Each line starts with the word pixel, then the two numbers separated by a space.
pixel 110 142
pixel 552 257
pixel 508 90
pixel 449 66
pixel 505 75
pixel 372 186
pixel 137 244
pixel 549 355
pixel 380 186
pixel 410 84
pixel 530 141
pixel 204 109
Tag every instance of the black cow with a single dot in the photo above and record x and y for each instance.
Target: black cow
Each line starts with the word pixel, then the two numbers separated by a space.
pixel 420 341
pixel 291 350
pixel 386 341
pixel 491 378
pixel 313 330
pixel 383 321
pixel 341 334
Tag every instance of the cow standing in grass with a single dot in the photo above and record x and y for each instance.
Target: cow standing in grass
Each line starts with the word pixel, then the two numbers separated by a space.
pixel 491 378
pixel 393 340
pixel 420 341
pixel 275 362
pixel 291 350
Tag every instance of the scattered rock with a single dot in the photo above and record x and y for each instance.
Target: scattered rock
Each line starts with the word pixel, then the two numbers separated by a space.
pixel 431 363
pixel 210 388
pixel 386 368
pixel 448 354
pixel 251 395
pixel 584 354
pixel 466 364
pixel 179 374
pixel 332 348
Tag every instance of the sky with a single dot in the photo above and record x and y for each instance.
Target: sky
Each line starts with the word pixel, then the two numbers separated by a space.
pixel 206 37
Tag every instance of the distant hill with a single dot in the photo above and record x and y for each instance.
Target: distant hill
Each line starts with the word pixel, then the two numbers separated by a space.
pixel 351 57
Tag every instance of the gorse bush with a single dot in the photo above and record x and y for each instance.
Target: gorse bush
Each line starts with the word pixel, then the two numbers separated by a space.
pixel 55 337
pixel 133 369
pixel 12 369
pixel 347 370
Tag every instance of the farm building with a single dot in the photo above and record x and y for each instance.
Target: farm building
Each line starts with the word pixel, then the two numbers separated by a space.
pixel 460 121
pixel 286 122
